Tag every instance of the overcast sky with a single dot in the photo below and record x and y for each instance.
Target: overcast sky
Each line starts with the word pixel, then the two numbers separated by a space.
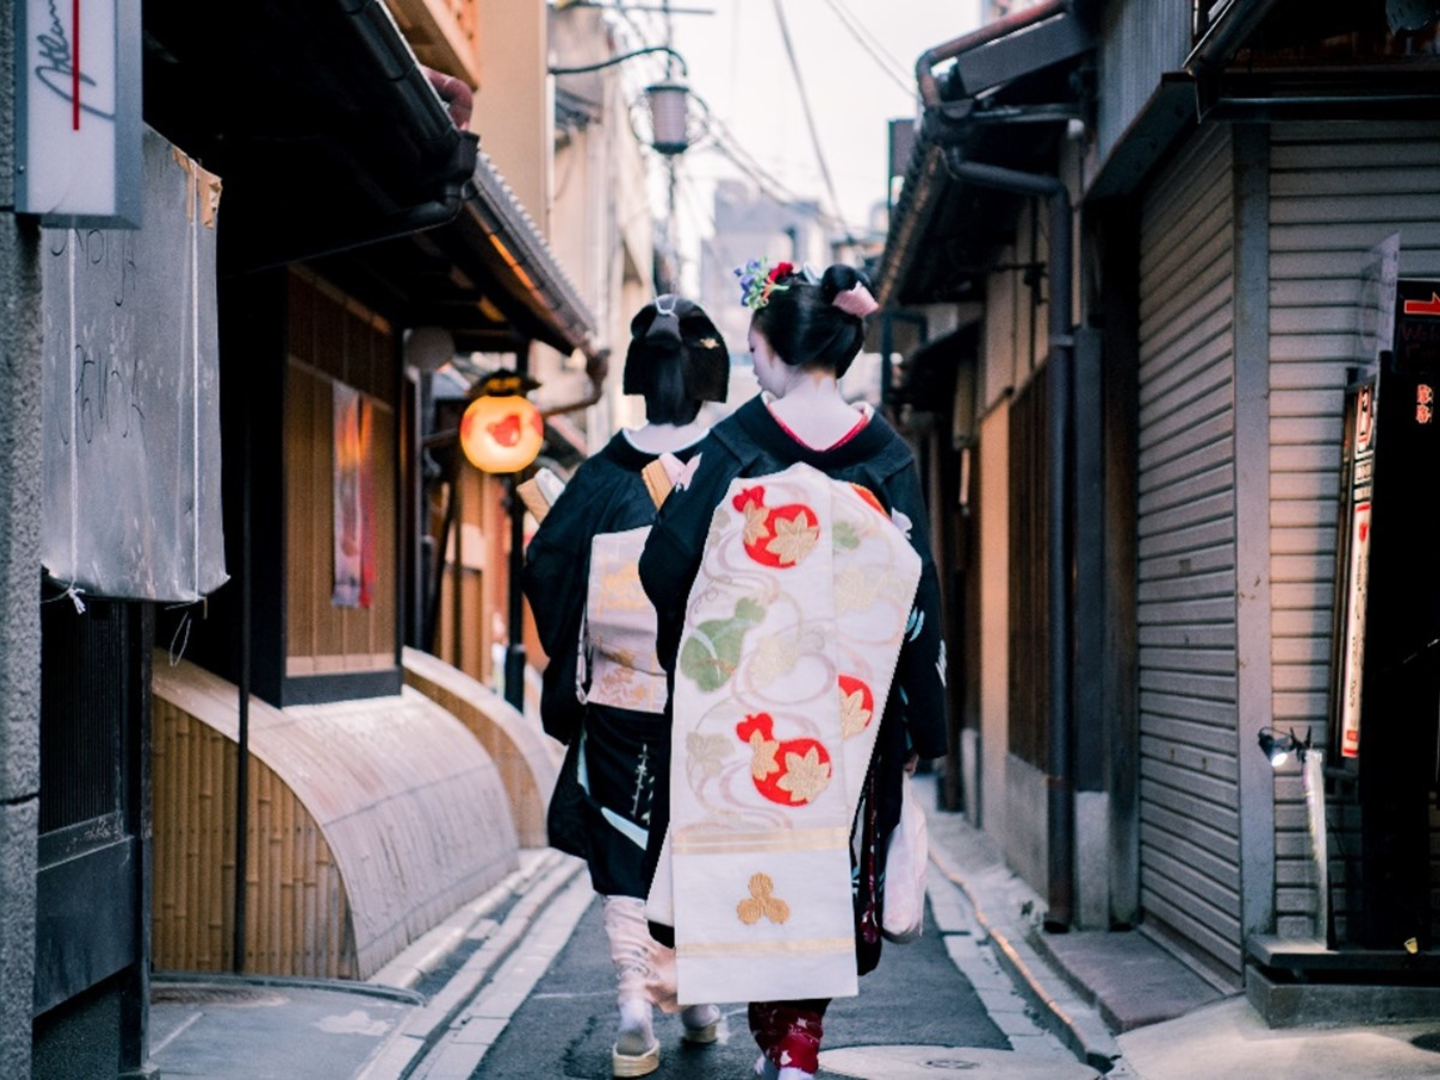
pixel 738 64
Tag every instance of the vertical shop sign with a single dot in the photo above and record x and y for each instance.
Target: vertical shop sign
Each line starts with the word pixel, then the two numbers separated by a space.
pixel 1352 653
pixel 79 134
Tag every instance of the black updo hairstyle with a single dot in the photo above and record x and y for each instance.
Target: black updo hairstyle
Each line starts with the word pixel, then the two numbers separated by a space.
pixel 803 325
pixel 677 360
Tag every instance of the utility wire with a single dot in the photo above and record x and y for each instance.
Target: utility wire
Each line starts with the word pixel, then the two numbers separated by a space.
pixel 809 117
pixel 899 65
pixel 887 63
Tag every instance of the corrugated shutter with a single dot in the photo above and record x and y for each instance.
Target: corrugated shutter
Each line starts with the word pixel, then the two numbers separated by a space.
pixel 1189 796
pixel 1335 191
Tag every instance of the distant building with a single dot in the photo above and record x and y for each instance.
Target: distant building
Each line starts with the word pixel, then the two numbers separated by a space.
pixel 753 225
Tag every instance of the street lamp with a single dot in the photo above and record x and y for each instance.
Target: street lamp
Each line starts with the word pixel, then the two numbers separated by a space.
pixel 669 101
pixel 501 432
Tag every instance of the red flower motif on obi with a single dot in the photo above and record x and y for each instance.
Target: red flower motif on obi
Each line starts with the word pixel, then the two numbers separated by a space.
pixel 857 706
pixel 778 536
pixel 793 772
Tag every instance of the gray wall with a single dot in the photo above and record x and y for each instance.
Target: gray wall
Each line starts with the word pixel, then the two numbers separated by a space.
pixel 1190 843
pixel 19 587
pixel 1142 40
pixel 1336 190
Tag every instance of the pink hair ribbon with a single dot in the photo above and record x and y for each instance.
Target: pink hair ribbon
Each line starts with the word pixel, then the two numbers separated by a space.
pixel 856 301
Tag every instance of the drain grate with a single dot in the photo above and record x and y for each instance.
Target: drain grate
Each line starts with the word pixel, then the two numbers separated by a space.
pixel 950 1064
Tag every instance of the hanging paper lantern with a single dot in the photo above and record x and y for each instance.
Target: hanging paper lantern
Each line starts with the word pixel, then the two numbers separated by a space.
pixel 501 433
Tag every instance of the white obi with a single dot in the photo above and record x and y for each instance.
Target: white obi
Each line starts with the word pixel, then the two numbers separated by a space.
pixel 792 633
pixel 620 627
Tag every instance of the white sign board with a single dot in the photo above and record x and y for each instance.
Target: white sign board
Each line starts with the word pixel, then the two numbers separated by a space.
pixel 78 107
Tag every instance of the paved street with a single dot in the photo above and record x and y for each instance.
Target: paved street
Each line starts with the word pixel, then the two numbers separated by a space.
pixel 935 1006
pixel 916 996
pixel 519 984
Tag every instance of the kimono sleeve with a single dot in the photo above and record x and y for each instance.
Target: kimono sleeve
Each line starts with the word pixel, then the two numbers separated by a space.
pixel 557 567
pixel 921 671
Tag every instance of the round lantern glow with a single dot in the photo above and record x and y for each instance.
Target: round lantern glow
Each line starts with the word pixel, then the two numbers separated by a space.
pixel 501 433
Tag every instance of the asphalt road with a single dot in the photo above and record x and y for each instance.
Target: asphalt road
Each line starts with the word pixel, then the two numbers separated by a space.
pixel 565 1028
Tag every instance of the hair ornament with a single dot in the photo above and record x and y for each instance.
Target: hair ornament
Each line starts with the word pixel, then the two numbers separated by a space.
pixel 758 280
pixel 856 301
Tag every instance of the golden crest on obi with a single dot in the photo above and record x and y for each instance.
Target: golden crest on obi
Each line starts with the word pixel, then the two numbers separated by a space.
pixel 792 633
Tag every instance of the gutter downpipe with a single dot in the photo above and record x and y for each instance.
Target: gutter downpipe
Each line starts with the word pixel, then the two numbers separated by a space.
pixel 1059 783
pixel 1224 38
pixel 597 366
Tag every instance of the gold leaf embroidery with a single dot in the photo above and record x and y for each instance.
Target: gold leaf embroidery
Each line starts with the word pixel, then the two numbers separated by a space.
pixel 762 903
pixel 853 714
pixel 620 588
pixel 755 526
pixel 762 758
pixel 856 589
pixel 708 753
pixel 805 777
pixel 775 656
pixel 794 539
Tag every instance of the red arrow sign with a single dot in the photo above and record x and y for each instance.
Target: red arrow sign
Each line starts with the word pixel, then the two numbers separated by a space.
pixel 1424 307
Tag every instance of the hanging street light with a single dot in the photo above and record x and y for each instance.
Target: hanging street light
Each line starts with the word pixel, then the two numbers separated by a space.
pixel 502 431
pixel 669 117
pixel 669 101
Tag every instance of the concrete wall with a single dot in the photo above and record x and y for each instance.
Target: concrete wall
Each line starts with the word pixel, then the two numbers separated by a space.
pixel 513 110
pixel 19 587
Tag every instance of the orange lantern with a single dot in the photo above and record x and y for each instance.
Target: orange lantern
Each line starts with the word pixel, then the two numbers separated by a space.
pixel 501 433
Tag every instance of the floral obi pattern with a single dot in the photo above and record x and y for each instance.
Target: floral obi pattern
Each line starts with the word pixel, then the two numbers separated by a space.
pixel 792 633
pixel 620 627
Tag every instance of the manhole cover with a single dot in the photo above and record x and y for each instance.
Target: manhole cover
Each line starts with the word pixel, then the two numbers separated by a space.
pixel 1429 1041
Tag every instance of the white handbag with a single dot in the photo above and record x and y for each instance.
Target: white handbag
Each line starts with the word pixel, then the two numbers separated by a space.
pixel 904 917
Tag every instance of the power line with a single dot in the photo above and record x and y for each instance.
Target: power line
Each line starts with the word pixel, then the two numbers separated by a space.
pixel 809 117
pixel 867 41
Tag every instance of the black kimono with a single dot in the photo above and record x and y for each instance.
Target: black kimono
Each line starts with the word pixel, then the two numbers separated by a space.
pixel 600 700
pixel 752 443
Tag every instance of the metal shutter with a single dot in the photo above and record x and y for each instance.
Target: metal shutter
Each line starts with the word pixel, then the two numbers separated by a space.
pixel 1189 792
pixel 1335 191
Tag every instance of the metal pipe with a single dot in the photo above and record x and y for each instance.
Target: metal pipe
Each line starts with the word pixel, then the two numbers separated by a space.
pixel 618 59
pixel 597 366
pixel 1059 783
pixel 1224 37
pixel 992 31
pixel 244 679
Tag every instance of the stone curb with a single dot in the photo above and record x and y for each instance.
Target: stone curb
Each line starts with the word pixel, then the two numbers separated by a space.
pixel 532 888
pixel 429 952
pixel 1073 1022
